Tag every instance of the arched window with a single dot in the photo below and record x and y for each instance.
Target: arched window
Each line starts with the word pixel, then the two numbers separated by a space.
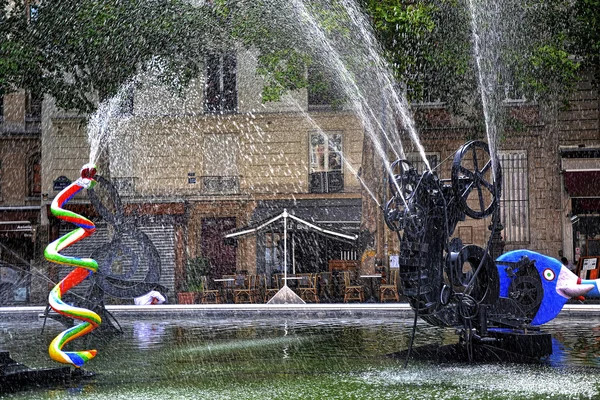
pixel 34 168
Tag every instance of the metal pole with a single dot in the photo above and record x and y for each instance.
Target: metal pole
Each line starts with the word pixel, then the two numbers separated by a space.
pixel 285 215
pixel 293 253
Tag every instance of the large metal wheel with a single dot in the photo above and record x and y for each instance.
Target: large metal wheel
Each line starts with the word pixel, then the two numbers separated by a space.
pixel 476 185
pixel 527 291
pixel 481 286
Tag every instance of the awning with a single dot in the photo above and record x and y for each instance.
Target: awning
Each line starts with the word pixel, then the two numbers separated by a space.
pixel 582 183
pixel 268 222
pixel 339 215
pixel 585 205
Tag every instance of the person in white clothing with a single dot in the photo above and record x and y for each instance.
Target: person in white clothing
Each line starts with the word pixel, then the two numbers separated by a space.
pixel 152 297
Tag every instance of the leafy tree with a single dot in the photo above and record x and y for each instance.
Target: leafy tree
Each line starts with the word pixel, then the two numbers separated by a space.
pixel 586 33
pixel 82 51
pixel 92 48
pixel 18 56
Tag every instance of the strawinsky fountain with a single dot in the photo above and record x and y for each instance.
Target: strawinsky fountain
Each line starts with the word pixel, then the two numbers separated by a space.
pixel 495 307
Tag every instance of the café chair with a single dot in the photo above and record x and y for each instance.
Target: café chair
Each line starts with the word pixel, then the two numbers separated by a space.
pixel 247 291
pixel 209 295
pixel 389 290
pixel 228 287
pixel 352 291
pixel 271 290
pixel 307 287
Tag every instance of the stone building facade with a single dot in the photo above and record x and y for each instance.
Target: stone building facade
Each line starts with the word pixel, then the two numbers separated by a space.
pixel 200 167
pixel 20 189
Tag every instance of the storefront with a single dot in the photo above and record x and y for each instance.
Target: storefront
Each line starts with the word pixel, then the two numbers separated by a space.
pixel 17 250
pixel 324 230
pixel 581 178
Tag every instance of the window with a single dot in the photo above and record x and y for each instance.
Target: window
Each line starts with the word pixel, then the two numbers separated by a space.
pixel 33 13
pixel 34 172
pixel 273 253
pixel 514 202
pixel 326 163
pixel 33 107
pixel 321 91
pixel 220 88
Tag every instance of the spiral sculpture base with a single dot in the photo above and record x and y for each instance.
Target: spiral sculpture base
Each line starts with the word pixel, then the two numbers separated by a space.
pixel 85 267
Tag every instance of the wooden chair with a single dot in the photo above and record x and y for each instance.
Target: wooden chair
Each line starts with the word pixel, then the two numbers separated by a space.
pixel 307 287
pixel 352 292
pixel 271 290
pixel 209 295
pixel 245 292
pixel 389 291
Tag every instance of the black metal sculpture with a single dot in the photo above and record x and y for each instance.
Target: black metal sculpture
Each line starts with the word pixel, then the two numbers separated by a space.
pixel 15 376
pixel 128 243
pixel 449 284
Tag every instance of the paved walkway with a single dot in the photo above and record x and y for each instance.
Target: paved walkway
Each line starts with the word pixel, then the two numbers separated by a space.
pixel 263 310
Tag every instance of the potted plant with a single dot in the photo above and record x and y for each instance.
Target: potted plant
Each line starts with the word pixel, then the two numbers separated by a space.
pixel 196 268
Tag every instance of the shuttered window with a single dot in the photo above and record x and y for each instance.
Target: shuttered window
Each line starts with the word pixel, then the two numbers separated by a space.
pixel 514 201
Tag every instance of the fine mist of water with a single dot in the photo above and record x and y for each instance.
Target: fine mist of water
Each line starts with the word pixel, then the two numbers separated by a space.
pixel 487 39
pixel 103 125
pixel 354 57
pixel 351 55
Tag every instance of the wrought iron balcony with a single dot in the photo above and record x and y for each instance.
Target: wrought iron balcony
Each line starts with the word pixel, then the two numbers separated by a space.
pixel 326 182
pixel 220 184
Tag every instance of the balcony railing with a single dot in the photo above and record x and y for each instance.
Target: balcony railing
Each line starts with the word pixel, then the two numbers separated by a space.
pixel 33 123
pixel 326 182
pixel 220 184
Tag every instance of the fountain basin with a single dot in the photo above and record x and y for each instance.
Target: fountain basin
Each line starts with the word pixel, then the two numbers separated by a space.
pixel 312 352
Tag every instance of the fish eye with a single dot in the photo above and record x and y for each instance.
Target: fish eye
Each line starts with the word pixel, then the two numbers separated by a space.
pixel 549 274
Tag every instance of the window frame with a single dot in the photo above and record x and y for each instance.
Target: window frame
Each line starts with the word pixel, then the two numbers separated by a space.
pixel 220 84
pixel 515 196
pixel 324 178
pixel 33 107
pixel 33 160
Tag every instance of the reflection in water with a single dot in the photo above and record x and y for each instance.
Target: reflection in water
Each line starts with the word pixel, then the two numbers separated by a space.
pixel 148 334
pixel 272 358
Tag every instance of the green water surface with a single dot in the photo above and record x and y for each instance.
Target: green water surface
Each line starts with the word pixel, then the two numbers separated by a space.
pixel 287 358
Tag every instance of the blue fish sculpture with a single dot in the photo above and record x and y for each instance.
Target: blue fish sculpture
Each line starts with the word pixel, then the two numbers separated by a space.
pixel 558 283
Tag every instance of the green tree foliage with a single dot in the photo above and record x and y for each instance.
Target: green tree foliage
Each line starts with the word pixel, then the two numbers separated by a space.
pixel 18 56
pixel 429 46
pixel 586 33
pixel 81 51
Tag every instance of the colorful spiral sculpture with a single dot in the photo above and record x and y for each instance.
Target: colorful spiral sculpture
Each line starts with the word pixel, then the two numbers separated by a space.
pixel 85 267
